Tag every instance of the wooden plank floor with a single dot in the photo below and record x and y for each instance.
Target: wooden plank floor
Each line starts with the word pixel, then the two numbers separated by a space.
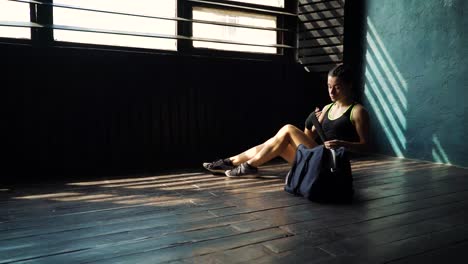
pixel 405 211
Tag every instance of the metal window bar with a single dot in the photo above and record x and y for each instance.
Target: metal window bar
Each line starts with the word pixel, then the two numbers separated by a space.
pixel 117 32
pixel 154 17
pixel 244 6
pixel 309 2
pixel 178 37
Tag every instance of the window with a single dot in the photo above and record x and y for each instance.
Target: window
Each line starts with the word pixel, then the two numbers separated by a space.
pixel 117 22
pixel 195 27
pixel 277 3
pixel 232 33
pixel 12 12
pixel 260 26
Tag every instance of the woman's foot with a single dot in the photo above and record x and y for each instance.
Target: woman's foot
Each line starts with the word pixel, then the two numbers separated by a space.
pixel 244 169
pixel 218 166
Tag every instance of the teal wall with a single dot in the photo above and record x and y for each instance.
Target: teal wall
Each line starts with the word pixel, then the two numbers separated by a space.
pixel 416 78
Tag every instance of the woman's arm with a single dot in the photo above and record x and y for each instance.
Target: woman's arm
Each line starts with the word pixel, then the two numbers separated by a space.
pixel 312 132
pixel 361 122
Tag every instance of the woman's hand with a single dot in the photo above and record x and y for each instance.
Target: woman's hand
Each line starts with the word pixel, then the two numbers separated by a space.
pixel 309 123
pixel 333 144
pixel 318 112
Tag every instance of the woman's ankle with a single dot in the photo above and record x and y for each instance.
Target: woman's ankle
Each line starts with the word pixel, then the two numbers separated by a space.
pixel 251 166
pixel 228 162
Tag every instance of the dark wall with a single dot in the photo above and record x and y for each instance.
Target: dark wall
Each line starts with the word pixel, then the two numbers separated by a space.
pixel 82 112
pixel 415 78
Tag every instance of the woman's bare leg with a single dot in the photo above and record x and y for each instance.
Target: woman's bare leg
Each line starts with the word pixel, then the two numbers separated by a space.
pixel 289 154
pixel 288 135
pixel 248 154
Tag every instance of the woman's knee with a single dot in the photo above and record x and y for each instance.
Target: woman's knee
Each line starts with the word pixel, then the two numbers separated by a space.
pixel 287 129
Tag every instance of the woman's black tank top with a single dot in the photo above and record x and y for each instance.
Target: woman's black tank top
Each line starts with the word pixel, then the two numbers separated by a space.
pixel 340 128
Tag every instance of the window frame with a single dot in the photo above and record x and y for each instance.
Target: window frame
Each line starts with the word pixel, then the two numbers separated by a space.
pixel 119 47
pixel 19 41
pixel 41 12
pixel 282 22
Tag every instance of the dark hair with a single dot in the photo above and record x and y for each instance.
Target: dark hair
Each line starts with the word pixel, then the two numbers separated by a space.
pixel 342 72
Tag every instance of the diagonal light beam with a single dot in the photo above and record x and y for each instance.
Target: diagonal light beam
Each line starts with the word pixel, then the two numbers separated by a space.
pixel 387 56
pixel 383 122
pixel 396 110
pixel 396 88
pixel 386 109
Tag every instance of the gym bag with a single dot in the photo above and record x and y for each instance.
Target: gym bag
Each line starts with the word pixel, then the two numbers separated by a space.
pixel 321 175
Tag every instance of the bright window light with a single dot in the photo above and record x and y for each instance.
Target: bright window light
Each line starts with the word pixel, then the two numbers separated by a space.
pixel 14 12
pixel 103 21
pixel 235 34
pixel 277 3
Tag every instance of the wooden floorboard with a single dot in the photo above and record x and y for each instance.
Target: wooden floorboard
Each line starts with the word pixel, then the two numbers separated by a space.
pixel 404 211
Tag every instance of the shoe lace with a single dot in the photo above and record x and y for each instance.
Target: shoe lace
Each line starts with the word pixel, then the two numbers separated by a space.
pixel 238 169
pixel 216 163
